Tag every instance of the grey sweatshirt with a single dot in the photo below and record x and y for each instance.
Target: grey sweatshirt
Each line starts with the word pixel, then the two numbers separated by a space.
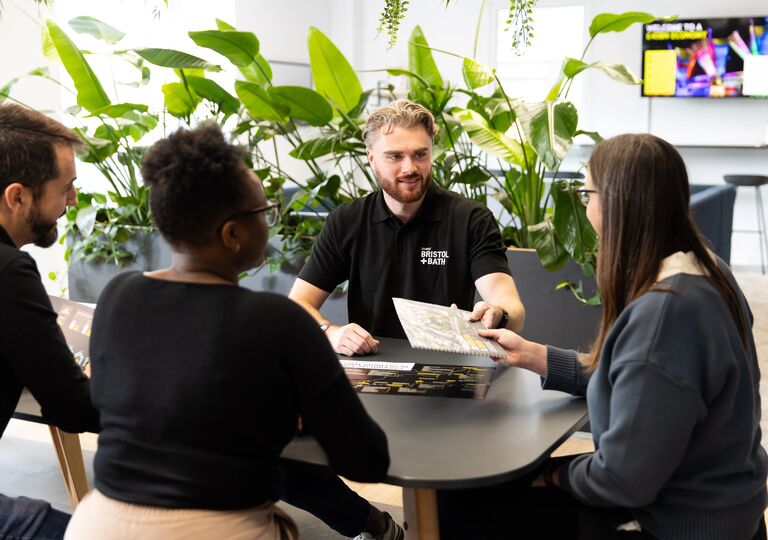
pixel 674 407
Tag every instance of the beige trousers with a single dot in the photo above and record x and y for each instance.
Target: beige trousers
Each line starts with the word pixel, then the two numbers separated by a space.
pixel 100 518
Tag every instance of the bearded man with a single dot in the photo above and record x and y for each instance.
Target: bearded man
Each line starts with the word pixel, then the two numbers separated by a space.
pixel 37 175
pixel 410 239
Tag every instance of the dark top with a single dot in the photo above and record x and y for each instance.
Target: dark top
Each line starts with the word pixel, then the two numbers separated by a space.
pixel 200 387
pixel 33 352
pixel 674 406
pixel 436 257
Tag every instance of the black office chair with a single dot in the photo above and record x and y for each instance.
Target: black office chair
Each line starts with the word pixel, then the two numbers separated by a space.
pixel 755 181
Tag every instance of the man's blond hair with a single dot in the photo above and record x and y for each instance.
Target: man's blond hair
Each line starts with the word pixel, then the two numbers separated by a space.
pixel 401 113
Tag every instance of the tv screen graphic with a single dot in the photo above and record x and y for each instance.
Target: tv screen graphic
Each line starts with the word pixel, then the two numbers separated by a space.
pixel 713 57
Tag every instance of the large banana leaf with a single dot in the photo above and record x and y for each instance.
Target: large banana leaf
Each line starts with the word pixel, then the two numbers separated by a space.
pixel 572 227
pixel 259 103
pixel 47 47
pixel 213 92
pixel 240 48
pixel 180 100
pixel 476 74
pixel 100 146
pixel 5 91
pixel 549 127
pixel 90 93
pixel 618 22
pixel 490 140
pixel 175 59
pixel 496 110
pixel 303 103
pixel 472 176
pixel 617 72
pixel 313 148
pixel 333 76
pixel 421 61
pixel 119 110
pixel 258 71
pixel 96 28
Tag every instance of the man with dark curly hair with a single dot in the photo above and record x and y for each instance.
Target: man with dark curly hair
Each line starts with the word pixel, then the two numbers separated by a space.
pixel 37 174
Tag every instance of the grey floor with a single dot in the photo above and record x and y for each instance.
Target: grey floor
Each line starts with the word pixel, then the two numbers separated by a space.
pixel 30 468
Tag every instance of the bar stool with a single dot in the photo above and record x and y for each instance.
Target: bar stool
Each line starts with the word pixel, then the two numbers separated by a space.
pixel 755 181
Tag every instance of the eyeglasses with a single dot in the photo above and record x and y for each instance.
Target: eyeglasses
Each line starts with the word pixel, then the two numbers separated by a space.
pixel 584 195
pixel 271 213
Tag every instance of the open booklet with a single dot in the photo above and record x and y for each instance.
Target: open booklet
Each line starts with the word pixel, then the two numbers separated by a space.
pixel 440 328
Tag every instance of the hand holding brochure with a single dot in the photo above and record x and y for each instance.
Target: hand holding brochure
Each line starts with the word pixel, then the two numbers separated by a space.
pixel 440 328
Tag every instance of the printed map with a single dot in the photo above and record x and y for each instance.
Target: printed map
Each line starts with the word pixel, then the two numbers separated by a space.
pixel 441 328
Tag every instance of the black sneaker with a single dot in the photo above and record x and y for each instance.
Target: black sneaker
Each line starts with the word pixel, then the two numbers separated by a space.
pixel 392 532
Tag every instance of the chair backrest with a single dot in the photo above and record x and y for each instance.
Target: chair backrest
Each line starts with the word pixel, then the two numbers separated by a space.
pixel 712 210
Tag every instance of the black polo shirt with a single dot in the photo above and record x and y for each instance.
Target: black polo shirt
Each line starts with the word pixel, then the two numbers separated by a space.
pixel 436 257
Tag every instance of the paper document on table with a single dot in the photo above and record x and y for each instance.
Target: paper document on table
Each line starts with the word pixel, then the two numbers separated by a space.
pixel 440 328
pixel 362 364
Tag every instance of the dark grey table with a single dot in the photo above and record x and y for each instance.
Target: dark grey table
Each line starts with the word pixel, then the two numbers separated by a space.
pixel 437 442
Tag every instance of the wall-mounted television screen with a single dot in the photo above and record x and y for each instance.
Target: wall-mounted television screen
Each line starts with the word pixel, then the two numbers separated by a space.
pixel 714 57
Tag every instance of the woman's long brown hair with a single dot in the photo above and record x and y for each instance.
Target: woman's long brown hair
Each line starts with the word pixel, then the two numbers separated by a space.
pixel 642 186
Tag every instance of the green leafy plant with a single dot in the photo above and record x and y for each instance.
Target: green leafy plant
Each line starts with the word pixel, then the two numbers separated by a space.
pixel 529 140
pixel 99 225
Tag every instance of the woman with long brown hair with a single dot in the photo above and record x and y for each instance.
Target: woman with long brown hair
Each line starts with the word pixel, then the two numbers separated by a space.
pixel 672 382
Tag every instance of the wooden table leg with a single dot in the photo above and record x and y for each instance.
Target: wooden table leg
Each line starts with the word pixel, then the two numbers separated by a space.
pixel 71 462
pixel 420 510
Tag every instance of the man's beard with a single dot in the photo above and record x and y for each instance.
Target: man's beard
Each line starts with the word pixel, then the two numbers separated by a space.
pixel 394 189
pixel 45 233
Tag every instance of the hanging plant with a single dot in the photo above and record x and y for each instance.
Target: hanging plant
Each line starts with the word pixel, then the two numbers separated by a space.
pixel 519 21
pixel 389 22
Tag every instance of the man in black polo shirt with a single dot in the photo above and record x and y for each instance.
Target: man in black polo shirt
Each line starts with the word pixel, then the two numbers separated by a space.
pixel 411 239
pixel 37 173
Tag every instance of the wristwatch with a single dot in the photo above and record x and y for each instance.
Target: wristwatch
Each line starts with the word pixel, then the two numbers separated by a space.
pixel 325 324
pixel 504 318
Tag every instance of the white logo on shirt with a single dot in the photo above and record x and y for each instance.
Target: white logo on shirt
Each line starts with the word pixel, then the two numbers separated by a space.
pixel 430 257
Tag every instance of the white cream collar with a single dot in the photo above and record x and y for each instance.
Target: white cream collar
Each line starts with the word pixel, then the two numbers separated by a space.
pixel 681 263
